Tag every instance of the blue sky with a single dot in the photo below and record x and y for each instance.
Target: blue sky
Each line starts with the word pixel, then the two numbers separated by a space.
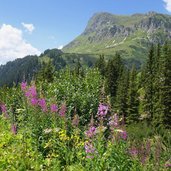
pixel 31 26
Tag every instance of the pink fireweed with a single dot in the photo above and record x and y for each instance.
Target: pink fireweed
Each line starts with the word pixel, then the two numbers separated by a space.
pixel 42 104
pixel 14 129
pixel 23 86
pixel 168 165
pixel 4 110
pixel 34 101
pixel 90 150
pixel 133 151
pixel 53 108
pixel 123 135
pixel 91 132
pixel 102 110
pixel 113 121
pixel 31 93
pixel 62 110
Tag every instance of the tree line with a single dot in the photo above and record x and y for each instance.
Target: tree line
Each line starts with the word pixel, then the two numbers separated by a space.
pixel 140 94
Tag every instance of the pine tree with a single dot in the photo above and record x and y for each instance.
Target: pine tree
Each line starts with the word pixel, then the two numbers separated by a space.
pixel 113 71
pixel 122 93
pixel 157 85
pixel 133 102
pixel 46 72
pixel 149 85
pixel 165 86
pixel 101 65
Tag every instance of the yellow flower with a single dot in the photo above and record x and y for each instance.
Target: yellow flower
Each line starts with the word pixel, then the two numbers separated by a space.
pixel 63 136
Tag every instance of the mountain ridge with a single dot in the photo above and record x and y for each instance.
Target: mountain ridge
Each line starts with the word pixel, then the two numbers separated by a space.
pixel 106 33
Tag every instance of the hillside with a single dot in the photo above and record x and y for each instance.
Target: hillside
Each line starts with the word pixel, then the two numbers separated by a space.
pixel 130 35
pixel 27 67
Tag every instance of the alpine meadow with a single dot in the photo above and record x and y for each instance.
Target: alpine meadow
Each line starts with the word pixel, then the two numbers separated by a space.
pixel 102 102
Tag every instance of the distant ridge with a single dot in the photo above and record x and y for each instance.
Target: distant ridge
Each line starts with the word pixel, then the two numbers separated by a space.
pixel 129 35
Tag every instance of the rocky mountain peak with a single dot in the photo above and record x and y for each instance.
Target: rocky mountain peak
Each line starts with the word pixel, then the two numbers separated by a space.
pixel 108 33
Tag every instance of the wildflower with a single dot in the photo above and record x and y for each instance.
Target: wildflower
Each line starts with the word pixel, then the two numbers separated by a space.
pixel 113 121
pixel 133 151
pixel 31 93
pixel 63 135
pixel 123 135
pixel 89 149
pixel 62 110
pixel 144 152
pixel 4 110
pixel 56 129
pixel 102 110
pixel 91 132
pixel 34 101
pixel 14 129
pixel 23 86
pixel 47 130
pixel 53 108
pixel 42 104
pixel 168 165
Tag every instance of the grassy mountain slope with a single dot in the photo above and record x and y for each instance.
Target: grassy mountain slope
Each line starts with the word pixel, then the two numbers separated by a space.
pixel 128 35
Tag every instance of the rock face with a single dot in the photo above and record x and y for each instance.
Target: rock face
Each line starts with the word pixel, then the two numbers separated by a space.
pixel 107 33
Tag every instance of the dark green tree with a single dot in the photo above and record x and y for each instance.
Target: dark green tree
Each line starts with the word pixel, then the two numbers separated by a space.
pixel 149 84
pixel 165 87
pixel 46 72
pixel 113 72
pixel 101 65
pixel 133 101
pixel 122 93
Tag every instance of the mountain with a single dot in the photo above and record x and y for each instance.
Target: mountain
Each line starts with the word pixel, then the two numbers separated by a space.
pixel 105 34
pixel 129 35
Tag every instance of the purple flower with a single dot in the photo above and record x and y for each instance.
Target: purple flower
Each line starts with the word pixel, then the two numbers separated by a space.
pixel 14 129
pixel 34 101
pixel 102 110
pixel 113 121
pixel 42 104
pixel 53 108
pixel 91 132
pixel 133 151
pixel 90 150
pixel 4 110
pixel 168 165
pixel 31 93
pixel 62 110
pixel 123 135
pixel 23 86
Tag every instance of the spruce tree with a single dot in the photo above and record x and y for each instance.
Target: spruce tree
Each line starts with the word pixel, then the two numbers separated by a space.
pixel 46 72
pixel 133 102
pixel 149 85
pixel 113 71
pixel 122 93
pixel 165 86
pixel 101 65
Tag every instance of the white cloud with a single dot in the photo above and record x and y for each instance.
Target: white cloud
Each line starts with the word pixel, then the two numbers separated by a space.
pixel 168 5
pixel 12 44
pixel 60 47
pixel 28 27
